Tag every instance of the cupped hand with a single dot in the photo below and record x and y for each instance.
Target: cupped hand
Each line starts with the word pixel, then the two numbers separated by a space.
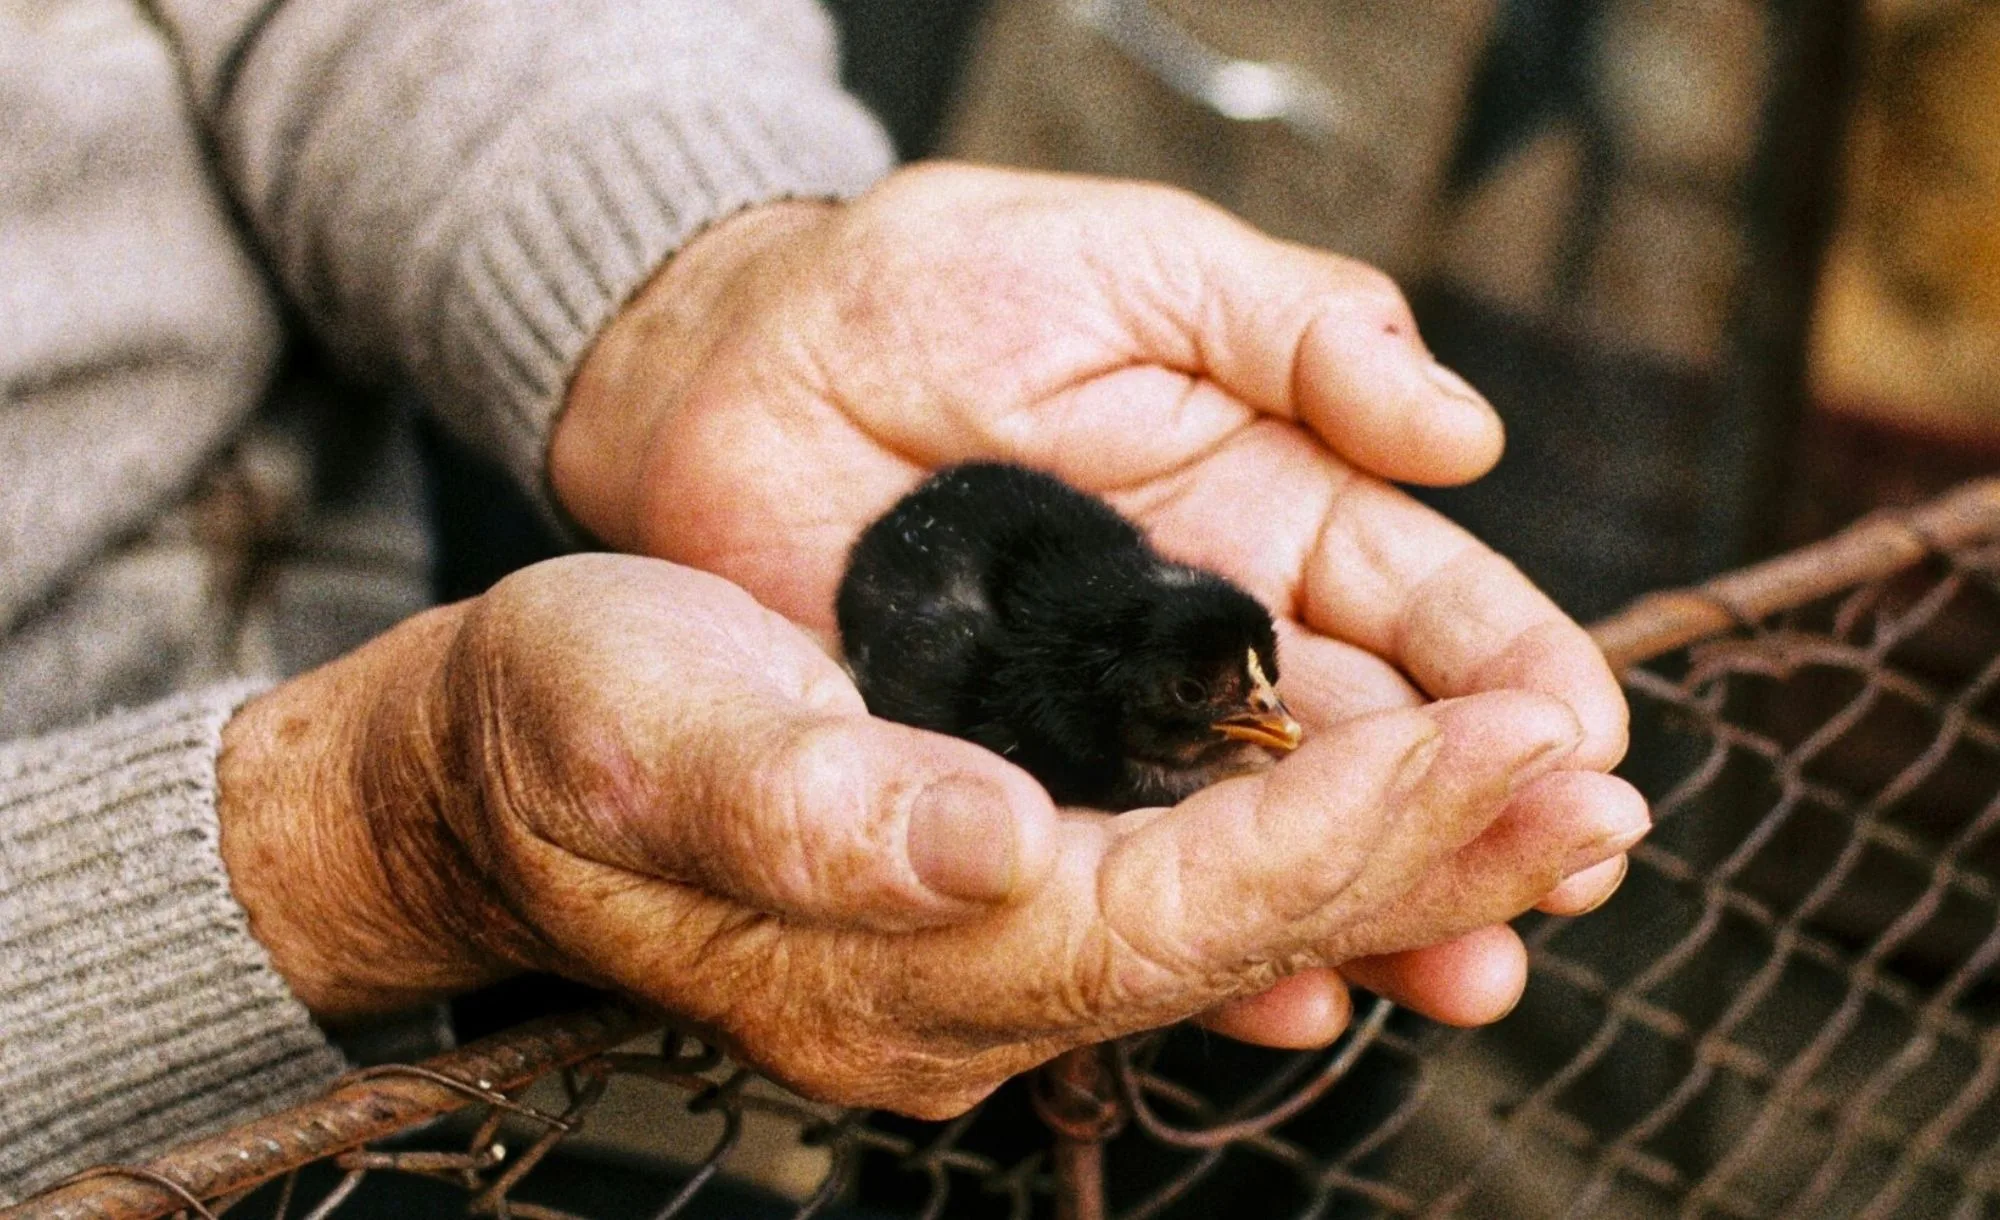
pixel 794 372
pixel 631 773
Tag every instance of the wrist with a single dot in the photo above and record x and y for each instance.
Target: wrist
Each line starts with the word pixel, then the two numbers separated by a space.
pixel 637 371
pixel 334 837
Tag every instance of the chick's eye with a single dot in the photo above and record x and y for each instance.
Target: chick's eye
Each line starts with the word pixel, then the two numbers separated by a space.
pixel 1189 692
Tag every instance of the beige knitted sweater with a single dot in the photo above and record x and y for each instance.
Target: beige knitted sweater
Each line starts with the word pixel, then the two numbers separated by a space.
pixel 453 194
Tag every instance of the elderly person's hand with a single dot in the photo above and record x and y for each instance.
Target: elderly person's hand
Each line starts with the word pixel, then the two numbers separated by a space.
pixel 629 772
pixel 799 368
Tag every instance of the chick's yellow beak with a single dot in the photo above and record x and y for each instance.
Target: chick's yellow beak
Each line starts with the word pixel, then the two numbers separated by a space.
pixel 1275 730
pixel 1265 720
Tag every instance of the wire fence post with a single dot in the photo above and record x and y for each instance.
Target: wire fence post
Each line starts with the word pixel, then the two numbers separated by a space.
pixel 1074 1097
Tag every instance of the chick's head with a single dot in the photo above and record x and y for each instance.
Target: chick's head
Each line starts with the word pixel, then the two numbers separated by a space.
pixel 1198 684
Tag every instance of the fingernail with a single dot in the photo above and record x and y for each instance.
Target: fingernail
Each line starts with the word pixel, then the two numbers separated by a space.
pixel 961 840
pixel 1624 867
pixel 1451 385
pixel 1600 850
pixel 1543 761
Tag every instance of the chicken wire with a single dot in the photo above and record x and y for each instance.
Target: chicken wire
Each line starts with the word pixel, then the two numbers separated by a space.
pixel 1787 1010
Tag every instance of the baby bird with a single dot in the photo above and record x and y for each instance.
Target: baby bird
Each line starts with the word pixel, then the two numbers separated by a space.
pixel 1001 605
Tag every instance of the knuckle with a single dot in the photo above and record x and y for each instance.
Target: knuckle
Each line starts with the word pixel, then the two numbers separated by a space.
pixel 1124 973
pixel 1091 989
pixel 816 770
pixel 817 834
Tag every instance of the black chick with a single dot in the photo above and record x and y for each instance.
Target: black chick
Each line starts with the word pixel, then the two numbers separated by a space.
pixel 1003 606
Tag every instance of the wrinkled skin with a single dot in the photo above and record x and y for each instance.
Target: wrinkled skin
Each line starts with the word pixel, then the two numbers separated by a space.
pixel 1243 399
pixel 629 771
pixel 625 771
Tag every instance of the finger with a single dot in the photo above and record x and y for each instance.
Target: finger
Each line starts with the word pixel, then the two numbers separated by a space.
pixel 1309 1009
pixel 1473 979
pixel 1584 892
pixel 1394 577
pixel 1362 563
pixel 1261 866
pixel 1330 342
pixel 1558 825
pixel 1137 929
pixel 1325 681
pixel 1130 424
pixel 1251 508
pixel 1117 275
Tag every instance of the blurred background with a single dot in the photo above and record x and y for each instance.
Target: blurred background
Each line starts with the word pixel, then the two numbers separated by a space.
pixel 1730 269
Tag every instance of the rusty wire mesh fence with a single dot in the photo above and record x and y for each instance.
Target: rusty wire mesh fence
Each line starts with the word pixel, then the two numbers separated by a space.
pixel 1787 1011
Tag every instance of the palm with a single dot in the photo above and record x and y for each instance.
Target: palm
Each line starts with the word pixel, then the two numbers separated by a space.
pixel 780 524
pixel 845 388
pixel 1242 399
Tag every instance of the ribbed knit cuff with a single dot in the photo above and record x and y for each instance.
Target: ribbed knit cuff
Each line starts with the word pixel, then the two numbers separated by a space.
pixel 602 200
pixel 136 1010
pixel 466 191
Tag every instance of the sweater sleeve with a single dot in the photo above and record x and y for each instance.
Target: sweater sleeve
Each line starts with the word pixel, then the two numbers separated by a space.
pixel 468 190
pixel 136 1010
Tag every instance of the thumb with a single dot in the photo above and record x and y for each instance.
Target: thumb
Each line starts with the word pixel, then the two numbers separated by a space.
pixel 848 820
pixel 658 720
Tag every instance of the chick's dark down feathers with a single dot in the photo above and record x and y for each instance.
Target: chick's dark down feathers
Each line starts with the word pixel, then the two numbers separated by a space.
pixel 1001 605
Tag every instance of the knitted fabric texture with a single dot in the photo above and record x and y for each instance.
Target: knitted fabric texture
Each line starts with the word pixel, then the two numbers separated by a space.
pixel 457 195
pixel 137 1008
